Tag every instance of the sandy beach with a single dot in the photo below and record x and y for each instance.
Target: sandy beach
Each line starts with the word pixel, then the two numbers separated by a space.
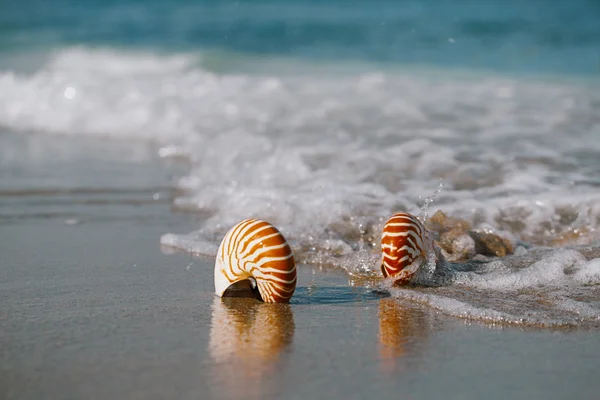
pixel 93 308
pixel 134 135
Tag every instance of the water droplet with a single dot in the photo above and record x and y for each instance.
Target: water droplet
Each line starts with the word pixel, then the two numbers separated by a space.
pixel 70 93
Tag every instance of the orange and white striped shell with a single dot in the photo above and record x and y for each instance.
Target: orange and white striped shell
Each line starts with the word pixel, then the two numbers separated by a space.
pixel 403 247
pixel 255 251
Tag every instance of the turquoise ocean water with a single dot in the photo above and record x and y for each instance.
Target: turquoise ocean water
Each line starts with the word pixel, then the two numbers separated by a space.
pixel 507 36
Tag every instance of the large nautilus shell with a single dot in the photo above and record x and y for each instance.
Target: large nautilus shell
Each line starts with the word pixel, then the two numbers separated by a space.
pixel 255 252
pixel 404 245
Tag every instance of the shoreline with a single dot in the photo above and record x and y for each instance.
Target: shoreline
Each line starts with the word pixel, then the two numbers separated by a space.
pixel 96 309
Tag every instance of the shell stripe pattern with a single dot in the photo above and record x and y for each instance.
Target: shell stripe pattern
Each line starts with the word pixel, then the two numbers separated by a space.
pixel 255 248
pixel 402 243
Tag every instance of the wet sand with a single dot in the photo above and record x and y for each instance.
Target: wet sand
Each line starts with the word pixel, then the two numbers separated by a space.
pixel 92 307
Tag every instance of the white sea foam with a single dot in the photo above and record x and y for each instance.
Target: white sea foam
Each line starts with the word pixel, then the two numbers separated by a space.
pixel 100 93
pixel 559 268
pixel 327 158
pixel 551 288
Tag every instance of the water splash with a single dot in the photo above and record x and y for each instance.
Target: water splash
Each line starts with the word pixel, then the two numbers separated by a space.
pixel 423 215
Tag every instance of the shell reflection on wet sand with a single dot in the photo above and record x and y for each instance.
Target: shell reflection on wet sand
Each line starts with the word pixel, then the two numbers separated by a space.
pixel 255 251
pixel 401 328
pixel 246 341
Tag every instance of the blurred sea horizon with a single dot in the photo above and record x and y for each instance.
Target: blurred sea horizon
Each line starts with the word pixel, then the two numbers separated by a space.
pixel 505 36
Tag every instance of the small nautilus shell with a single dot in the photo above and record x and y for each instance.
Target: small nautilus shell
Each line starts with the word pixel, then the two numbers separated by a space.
pixel 403 246
pixel 255 251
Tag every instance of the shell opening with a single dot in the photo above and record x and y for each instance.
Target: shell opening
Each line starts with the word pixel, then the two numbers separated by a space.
pixel 243 288
pixel 383 271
